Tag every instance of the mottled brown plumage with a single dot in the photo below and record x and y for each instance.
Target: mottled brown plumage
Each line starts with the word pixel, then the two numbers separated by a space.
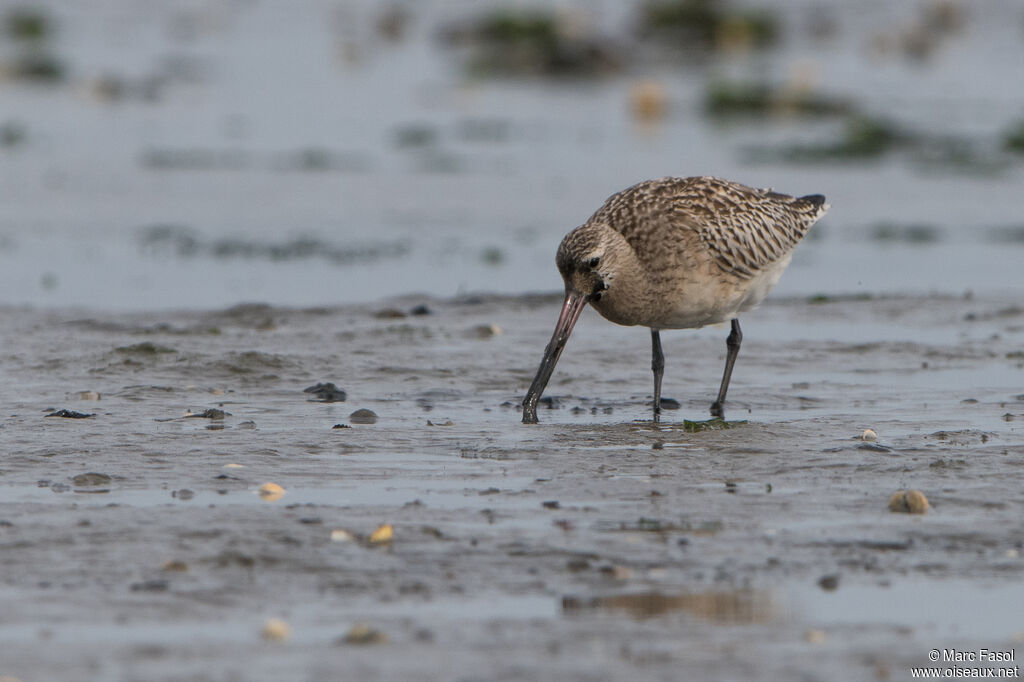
pixel 677 253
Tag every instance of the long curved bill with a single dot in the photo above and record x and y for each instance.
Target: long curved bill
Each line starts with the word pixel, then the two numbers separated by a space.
pixel 571 309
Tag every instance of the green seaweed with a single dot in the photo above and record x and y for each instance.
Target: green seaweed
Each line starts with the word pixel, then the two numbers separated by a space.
pixel 713 424
pixel 1013 140
pixel 709 23
pixel 29 24
pixel 748 98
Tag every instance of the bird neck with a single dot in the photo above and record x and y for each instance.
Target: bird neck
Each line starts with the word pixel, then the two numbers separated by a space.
pixel 629 299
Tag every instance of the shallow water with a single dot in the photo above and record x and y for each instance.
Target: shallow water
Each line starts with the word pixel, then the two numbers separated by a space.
pixel 331 179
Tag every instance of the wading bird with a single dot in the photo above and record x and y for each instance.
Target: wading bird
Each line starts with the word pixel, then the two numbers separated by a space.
pixel 676 253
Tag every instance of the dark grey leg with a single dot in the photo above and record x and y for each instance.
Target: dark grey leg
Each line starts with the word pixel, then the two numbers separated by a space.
pixel 658 365
pixel 733 345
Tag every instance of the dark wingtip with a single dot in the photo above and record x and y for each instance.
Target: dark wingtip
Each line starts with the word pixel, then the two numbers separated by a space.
pixel 816 200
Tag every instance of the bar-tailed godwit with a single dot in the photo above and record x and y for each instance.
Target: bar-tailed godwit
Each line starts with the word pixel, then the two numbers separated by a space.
pixel 676 253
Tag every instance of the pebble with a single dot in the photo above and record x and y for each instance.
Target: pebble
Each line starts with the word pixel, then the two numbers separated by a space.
pixel 342 535
pixel 364 634
pixel 327 392
pixel 175 565
pixel 363 416
pixel 89 395
pixel 829 583
pixel 91 479
pixel 869 435
pixel 276 630
pixel 486 331
pixel 70 414
pixel 908 502
pixel 616 572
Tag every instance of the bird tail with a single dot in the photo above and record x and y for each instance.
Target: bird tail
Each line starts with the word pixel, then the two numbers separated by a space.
pixel 814 204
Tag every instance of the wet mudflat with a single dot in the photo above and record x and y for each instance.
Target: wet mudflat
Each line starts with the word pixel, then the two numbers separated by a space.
pixel 593 546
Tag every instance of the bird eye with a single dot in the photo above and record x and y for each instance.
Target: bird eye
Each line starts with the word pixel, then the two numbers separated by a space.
pixel 593 262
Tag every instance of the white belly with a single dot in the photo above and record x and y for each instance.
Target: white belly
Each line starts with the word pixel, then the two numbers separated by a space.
pixel 721 302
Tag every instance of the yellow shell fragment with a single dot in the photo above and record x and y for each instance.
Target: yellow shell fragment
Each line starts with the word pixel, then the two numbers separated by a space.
pixel 908 502
pixel 814 636
pixel 383 534
pixel 271 492
pixel 276 630
pixel 364 634
pixel 869 434
pixel 232 465
pixel 648 100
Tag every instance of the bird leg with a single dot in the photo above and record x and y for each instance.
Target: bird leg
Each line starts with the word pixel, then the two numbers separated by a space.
pixel 732 345
pixel 658 366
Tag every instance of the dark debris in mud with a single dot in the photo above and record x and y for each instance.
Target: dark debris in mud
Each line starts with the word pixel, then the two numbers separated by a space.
pixel 326 392
pixel 70 414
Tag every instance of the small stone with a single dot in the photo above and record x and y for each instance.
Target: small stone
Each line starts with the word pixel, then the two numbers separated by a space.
pixel 156 585
pixel 70 414
pixel 909 502
pixel 91 479
pixel 276 630
pixel 248 424
pixel 341 426
pixel 829 583
pixel 183 494
pixel 616 572
pixel 364 634
pixel 869 435
pixel 550 504
pixel 363 416
pixel 327 393
pixel 486 331
pixel 174 566
pixel 342 535
pixel 234 465
pixel 421 309
pixel 89 395
pixel 389 314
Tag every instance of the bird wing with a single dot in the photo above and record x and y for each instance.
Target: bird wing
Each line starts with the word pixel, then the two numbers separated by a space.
pixel 744 229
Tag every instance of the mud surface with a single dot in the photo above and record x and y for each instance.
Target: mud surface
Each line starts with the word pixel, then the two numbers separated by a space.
pixel 593 546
